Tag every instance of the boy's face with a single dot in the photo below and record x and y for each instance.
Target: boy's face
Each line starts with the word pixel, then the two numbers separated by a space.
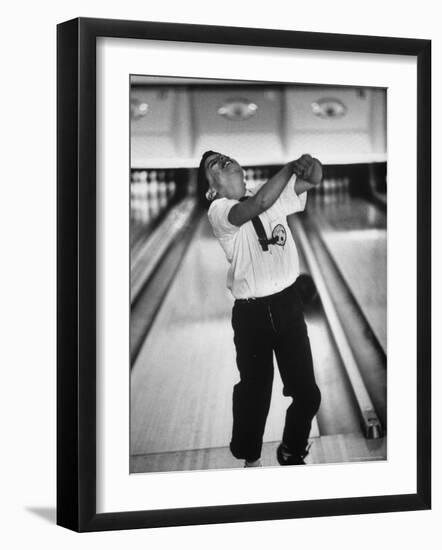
pixel 225 175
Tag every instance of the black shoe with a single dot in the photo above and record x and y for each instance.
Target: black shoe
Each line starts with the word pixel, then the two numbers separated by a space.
pixel 253 463
pixel 286 458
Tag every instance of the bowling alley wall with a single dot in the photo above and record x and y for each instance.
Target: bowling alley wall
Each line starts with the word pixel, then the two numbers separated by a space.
pixel 173 121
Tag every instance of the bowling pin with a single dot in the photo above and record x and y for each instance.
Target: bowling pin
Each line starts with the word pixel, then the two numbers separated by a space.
pixel 326 191
pixel 171 188
pixel 162 194
pixel 332 190
pixel 135 190
pixel 144 186
pixel 160 178
pixel 168 182
pixel 153 195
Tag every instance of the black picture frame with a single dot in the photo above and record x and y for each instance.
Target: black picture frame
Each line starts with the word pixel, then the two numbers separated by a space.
pixel 77 287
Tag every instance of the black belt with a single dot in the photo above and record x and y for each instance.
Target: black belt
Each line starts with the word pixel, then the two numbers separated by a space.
pixel 265 298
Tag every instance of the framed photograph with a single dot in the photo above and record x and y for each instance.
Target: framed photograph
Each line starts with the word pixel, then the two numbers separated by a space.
pixel 243 274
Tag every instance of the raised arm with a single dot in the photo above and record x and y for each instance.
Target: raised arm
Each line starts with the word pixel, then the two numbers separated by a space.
pixel 307 173
pixel 264 198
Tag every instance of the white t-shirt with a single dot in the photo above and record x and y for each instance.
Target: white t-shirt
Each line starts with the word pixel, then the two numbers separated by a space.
pixel 254 272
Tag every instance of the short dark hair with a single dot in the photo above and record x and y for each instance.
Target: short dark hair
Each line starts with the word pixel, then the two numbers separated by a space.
pixel 202 178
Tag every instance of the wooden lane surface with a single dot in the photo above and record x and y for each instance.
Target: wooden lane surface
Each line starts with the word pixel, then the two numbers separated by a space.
pixel 331 449
pixel 337 413
pixel 183 375
pixel 355 234
pixel 182 380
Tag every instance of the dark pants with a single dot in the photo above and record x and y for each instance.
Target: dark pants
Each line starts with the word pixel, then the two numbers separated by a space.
pixel 261 326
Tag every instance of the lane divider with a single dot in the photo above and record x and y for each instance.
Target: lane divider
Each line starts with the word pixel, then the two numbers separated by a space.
pixel 150 254
pixel 370 422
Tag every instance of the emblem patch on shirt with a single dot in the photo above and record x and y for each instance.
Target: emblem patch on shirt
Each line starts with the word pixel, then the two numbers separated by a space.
pixel 279 234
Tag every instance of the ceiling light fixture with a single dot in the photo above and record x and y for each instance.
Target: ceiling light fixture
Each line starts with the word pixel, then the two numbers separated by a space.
pixel 138 108
pixel 238 109
pixel 329 108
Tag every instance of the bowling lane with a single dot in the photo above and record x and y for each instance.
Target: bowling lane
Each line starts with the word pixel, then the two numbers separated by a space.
pixel 354 232
pixel 181 383
pixel 182 380
pixel 337 414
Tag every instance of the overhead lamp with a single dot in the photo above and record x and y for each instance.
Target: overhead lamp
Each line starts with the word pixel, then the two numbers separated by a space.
pixel 238 109
pixel 138 108
pixel 329 108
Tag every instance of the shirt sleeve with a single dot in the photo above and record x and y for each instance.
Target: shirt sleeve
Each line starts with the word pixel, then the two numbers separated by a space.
pixel 289 201
pixel 218 217
pixel 254 186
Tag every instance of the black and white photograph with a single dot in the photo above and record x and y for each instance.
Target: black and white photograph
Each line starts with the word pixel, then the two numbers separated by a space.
pixel 221 249
pixel 243 274
pixel 258 274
